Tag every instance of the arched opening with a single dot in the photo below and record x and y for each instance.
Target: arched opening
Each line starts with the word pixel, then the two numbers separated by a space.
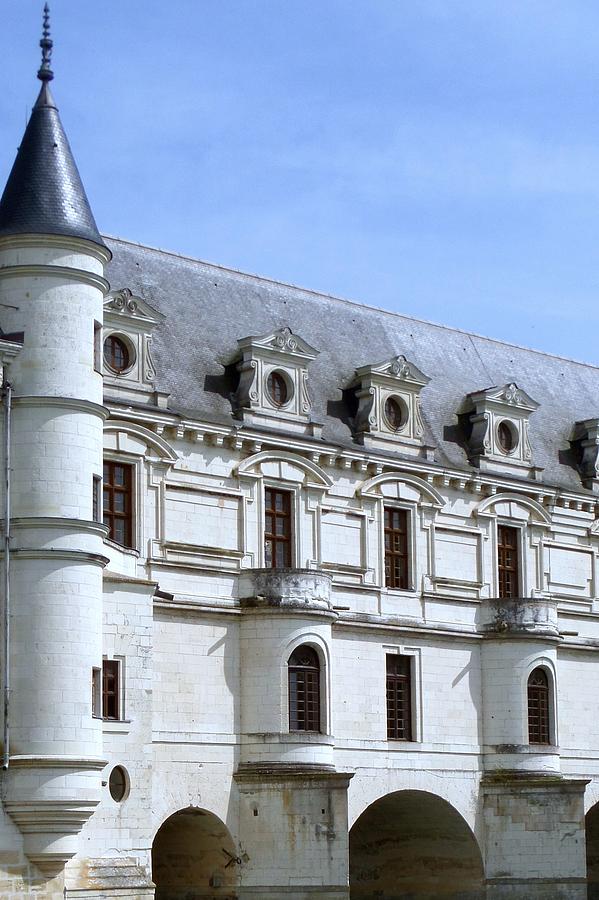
pixel 193 856
pixel 538 707
pixel 414 845
pixel 592 844
pixel 303 671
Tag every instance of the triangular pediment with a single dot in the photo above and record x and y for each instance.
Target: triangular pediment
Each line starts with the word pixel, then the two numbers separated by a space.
pixel 283 340
pixel 508 394
pixel 129 305
pixel 397 367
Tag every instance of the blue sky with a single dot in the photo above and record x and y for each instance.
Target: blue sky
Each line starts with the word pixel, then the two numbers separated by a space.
pixel 435 157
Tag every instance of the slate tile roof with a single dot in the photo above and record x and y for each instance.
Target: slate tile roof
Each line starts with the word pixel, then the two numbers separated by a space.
pixel 209 307
pixel 44 193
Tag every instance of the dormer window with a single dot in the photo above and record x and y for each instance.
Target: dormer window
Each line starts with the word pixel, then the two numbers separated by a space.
pixel 128 367
pixel 495 423
pixel 388 405
pixel 273 382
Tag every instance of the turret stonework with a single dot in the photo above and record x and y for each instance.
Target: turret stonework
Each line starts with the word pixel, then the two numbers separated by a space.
pixel 285 622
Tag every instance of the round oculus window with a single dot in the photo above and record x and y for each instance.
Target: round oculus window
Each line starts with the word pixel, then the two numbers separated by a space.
pixel 396 413
pixel 116 354
pixel 507 436
pixel 277 388
pixel 118 784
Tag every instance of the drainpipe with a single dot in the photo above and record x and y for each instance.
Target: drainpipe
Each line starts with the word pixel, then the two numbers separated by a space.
pixel 6 394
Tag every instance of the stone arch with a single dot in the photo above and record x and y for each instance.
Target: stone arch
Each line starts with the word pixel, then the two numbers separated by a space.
pixel 193 855
pixel 373 487
pixel 311 472
pixel 536 512
pixel 413 844
pixel 157 444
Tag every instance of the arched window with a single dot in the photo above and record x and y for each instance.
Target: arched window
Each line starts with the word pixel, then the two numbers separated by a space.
pixel 538 707
pixel 304 689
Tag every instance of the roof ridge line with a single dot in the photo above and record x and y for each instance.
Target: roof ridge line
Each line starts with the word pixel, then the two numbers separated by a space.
pixel 357 303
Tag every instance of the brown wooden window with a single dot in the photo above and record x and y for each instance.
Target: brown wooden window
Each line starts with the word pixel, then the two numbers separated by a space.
pixel 110 689
pixel 277 529
pixel 116 353
pixel 396 548
pixel 118 502
pixel 507 561
pixel 304 689
pixel 277 388
pixel 399 697
pixel 97 692
pixel 538 707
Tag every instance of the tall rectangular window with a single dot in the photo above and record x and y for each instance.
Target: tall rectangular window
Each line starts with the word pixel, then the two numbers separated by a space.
pixel 277 528
pixel 118 502
pixel 399 697
pixel 97 692
pixel 110 689
pixel 508 575
pixel 396 548
pixel 98 347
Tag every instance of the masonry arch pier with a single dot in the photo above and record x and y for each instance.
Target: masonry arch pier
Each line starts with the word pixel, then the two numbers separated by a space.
pixel 413 844
pixel 193 855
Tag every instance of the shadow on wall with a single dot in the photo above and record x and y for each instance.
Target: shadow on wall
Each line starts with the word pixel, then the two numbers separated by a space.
pixel 412 845
pixel 592 843
pixel 191 858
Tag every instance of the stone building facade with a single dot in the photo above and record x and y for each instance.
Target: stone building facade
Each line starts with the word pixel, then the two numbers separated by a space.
pixel 334 633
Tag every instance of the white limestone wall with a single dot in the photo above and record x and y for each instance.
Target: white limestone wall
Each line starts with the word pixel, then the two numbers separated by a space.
pixel 267 640
pixel 507 664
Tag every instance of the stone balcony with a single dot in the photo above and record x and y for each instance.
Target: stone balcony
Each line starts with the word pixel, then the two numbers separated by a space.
pixel 520 616
pixel 292 590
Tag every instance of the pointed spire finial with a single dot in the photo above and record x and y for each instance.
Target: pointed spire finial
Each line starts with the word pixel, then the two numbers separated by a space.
pixel 45 73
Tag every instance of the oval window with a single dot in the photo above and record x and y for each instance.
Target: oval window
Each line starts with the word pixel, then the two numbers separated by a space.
pixel 116 353
pixel 507 437
pixel 277 388
pixel 396 413
pixel 118 784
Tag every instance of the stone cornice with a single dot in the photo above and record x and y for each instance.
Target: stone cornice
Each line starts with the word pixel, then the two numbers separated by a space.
pixel 62 272
pixel 68 403
pixel 60 242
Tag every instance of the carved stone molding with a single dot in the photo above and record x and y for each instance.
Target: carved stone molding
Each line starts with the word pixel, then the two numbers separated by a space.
pixel 496 427
pixel 388 403
pixel 585 444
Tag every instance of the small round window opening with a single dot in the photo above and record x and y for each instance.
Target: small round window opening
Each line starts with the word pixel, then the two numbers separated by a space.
pixel 118 784
pixel 277 388
pixel 116 354
pixel 507 437
pixel 396 413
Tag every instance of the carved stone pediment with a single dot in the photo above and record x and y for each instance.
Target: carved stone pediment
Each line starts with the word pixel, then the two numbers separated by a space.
pixel 273 381
pixel 495 421
pixel 125 303
pixel 281 342
pixel 388 403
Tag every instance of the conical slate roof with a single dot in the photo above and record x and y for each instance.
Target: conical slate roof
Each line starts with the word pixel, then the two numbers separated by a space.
pixel 44 193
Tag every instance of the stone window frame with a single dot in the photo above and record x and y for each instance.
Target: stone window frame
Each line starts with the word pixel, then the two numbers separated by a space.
pixel 150 470
pixel 307 501
pixel 533 531
pixel 422 512
pixel 416 699
pixel 317 643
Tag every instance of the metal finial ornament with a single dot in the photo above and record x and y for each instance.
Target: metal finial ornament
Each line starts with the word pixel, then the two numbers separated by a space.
pixel 45 73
